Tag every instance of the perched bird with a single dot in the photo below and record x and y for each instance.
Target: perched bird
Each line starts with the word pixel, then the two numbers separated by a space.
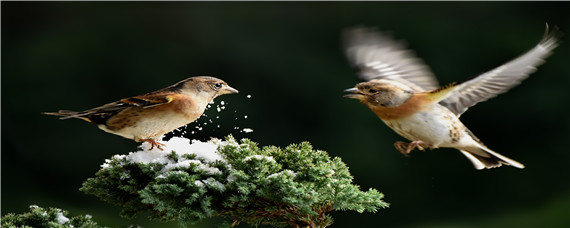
pixel 145 118
pixel 400 89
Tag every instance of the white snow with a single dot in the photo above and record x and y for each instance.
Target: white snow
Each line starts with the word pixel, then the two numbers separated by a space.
pixel 186 164
pixel 282 173
pixel 209 170
pixel 203 150
pixel 259 157
pixel 231 178
pixel 61 219
pixel 247 130
pixel 183 164
pixel 148 156
pixel 211 182
pixel 204 153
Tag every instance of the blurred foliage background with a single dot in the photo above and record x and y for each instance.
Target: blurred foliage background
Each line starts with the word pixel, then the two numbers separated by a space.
pixel 288 57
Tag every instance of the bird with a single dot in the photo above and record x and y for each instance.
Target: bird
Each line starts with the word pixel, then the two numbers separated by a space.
pixel 147 117
pixel 402 91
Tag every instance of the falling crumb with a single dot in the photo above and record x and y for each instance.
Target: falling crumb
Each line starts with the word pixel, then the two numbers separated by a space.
pixel 248 96
pixel 245 117
pixel 222 102
pixel 247 130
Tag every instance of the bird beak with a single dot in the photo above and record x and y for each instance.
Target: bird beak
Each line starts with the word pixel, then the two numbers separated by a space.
pixel 228 90
pixel 354 93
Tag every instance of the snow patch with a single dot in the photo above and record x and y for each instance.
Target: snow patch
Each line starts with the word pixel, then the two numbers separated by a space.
pixel 204 153
pixel 286 171
pixel 211 182
pixel 60 218
pixel 259 157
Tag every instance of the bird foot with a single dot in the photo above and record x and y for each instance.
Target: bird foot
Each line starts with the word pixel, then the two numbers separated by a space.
pixel 405 148
pixel 153 143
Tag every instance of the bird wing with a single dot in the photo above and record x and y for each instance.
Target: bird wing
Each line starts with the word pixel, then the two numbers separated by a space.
pixel 377 56
pixel 502 78
pixel 148 100
pixel 110 109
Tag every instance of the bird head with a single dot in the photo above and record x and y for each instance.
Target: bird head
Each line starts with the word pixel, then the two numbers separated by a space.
pixel 205 87
pixel 380 93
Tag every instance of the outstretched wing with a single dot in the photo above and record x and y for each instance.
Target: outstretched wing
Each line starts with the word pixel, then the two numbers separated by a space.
pixel 377 56
pixel 500 79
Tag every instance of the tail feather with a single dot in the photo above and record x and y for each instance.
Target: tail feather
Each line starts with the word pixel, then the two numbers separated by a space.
pixel 492 161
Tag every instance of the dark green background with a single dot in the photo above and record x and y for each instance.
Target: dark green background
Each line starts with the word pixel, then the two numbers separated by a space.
pixel 287 55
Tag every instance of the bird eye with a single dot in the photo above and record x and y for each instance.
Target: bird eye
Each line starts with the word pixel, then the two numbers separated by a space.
pixel 373 91
pixel 218 85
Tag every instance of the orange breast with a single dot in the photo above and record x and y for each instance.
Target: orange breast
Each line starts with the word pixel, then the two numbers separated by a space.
pixel 180 104
pixel 415 104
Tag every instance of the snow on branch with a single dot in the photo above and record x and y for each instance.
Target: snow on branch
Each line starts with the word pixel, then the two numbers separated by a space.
pixel 190 181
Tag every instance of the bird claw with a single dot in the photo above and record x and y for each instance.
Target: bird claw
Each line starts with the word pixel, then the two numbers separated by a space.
pixel 406 148
pixel 153 143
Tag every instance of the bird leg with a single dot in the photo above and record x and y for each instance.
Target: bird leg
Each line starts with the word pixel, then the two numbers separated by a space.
pixel 405 148
pixel 153 143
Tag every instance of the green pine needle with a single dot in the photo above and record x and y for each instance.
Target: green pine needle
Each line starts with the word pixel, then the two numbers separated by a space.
pixel 296 186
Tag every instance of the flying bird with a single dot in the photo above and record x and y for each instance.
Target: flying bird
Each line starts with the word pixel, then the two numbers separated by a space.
pixel 147 117
pixel 402 91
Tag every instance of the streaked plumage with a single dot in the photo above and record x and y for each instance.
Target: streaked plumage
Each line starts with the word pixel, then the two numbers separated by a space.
pixel 401 90
pixel 145 118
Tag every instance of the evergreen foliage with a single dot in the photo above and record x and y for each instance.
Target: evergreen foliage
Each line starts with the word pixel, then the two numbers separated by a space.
pixel 296 186
pixel 50 217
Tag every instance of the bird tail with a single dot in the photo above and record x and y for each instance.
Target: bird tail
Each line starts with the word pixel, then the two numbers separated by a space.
pixel 492 160
pixel 66 114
